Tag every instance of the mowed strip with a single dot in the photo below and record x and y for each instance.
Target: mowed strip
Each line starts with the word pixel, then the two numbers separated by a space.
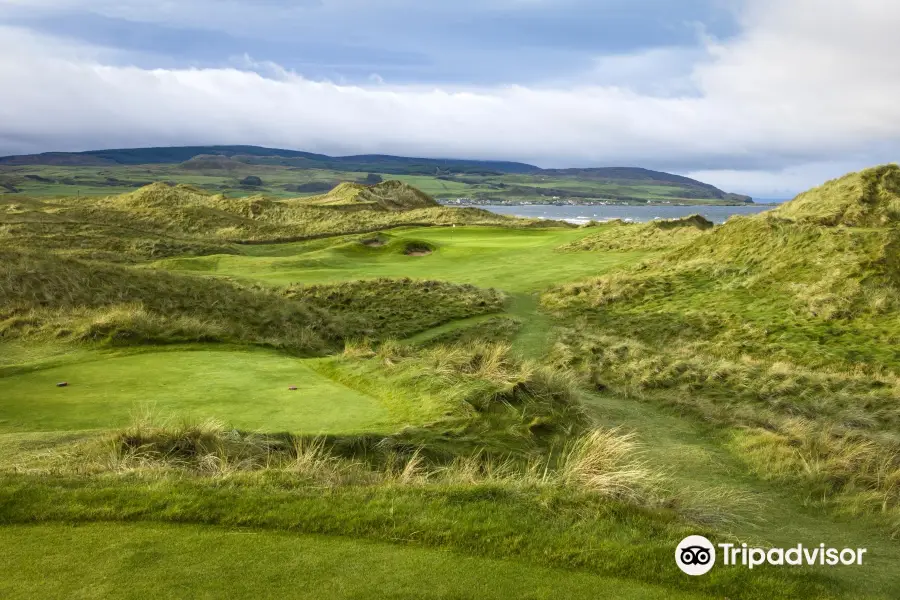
pixel 142 561
pixel 247 389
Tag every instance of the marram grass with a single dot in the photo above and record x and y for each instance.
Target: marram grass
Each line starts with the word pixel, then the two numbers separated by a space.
pixel 782 325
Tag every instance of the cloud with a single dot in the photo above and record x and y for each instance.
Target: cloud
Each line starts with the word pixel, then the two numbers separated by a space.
pixel 662 71
pixel 805 87
pixel 467 41
pixel 778 184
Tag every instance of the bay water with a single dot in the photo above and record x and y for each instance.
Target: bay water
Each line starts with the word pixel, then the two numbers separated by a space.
pixel 583 214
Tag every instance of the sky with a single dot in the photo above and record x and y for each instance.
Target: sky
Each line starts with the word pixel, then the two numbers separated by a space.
pixel 763 97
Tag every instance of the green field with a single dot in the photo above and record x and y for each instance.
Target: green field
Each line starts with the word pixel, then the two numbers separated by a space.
pixel 517 261
pixel 95 561
pixel 246 389
pixel 619 387
pixel 288 182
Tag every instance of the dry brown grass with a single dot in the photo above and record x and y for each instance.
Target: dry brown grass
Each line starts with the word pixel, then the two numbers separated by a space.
pixel 602 462
pixel 608 462
pixel 863 472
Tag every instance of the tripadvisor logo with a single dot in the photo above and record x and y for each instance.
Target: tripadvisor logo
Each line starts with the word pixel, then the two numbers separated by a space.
pixel 696 555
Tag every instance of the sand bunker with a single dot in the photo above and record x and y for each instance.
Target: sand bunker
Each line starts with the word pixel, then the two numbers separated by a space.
pixel 417 249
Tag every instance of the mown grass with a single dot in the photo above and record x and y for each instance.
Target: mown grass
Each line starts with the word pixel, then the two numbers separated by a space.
pixel 141 560
pixel 512 260
pixel 595 494
pixel 444 399
pixel 549 528
pixel 246 388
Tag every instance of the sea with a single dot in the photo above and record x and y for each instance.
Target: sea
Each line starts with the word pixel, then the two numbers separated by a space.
pixel 584 214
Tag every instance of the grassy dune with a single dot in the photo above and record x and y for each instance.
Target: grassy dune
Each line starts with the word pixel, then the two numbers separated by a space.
pixel 159 220
pixel 782 326
pixel 496 396
pixel 388 195
pixel 870 198
pixel 386 308
pixel 659 234
pixel 52 297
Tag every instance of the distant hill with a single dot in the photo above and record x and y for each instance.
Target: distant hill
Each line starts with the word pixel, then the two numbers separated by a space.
pixel 203 162
pixel 273 156
pixel 478 181
pixel 638 176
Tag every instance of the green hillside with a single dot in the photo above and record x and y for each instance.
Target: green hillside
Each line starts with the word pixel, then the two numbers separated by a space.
pixel 247 170
pixel 781 325
pixel 270 156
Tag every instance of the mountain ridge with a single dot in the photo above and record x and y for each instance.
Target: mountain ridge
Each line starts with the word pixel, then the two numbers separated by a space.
pixel 361 162
pixel 480 179
pixel 179 154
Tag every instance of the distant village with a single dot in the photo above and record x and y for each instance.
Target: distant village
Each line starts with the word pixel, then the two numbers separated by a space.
pixel 553 200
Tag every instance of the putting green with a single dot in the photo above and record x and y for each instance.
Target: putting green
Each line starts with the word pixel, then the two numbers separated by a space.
pixel 514 260
pixel 244 388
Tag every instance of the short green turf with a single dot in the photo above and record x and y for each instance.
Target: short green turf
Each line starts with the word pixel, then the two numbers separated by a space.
pixel 245 389
pixel 509 259
pixel 143 561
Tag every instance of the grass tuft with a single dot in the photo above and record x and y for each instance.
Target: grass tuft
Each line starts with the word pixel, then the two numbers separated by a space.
pixel 607 462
